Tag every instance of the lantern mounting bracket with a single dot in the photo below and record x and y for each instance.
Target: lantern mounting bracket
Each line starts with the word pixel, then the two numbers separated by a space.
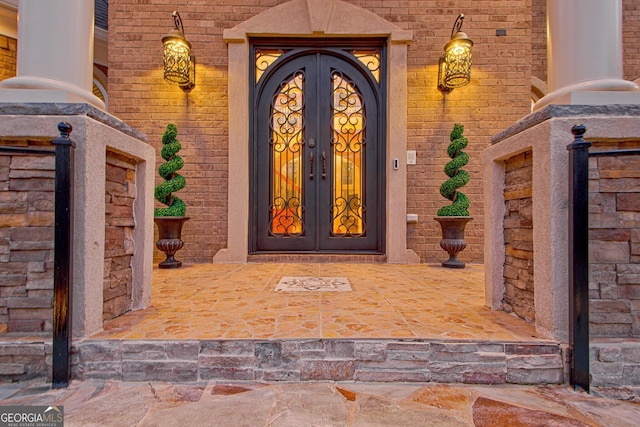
pixel 454 67
pixel 177 21
pixel 457 26
pixel 179 64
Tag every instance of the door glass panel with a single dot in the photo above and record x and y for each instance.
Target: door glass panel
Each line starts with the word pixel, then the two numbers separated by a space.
pixel 286 148
pixel 347 151
pixel 264 59
pixel 371 59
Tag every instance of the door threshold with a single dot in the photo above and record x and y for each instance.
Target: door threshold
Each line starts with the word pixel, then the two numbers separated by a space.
pixel 319 258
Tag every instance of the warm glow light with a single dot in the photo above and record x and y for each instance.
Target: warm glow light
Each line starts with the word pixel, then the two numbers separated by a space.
pixel 342 166
pixel 287 144
pixel 179 65
pixel 348 146
pixel 455 65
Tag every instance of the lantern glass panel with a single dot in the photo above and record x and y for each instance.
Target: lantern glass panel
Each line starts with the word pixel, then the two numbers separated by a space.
pixel 177 62
pixel 458 60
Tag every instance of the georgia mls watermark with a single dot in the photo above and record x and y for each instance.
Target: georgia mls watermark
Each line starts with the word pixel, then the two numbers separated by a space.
pixel 31 416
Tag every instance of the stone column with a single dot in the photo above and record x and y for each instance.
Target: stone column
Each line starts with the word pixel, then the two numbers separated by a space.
pixel 584 54
pixel 55 53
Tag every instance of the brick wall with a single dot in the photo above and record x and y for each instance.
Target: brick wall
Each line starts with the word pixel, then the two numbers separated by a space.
pixel 518 229
pixel 497 96
pixel 539 39
pixel 26 242
pixel 8 57
pixel 119 246
pixel 631 39
pixel 614 245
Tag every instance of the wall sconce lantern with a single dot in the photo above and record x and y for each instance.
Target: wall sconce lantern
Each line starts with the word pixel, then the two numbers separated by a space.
pixel 179 65
pixel 454 69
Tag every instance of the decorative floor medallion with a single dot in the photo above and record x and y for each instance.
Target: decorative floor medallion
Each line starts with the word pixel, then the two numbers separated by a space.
pixel 322 284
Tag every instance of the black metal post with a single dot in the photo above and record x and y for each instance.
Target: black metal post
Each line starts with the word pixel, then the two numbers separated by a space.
pixel 579 258
pixel 63 257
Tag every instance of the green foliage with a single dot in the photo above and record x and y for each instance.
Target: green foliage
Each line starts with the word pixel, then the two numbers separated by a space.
pixel 457 177
pixel 168 171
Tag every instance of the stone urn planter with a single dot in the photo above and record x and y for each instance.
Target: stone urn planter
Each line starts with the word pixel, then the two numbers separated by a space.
pixel 453 238
pixel 453 218
pixel 171 218
pixel 170 238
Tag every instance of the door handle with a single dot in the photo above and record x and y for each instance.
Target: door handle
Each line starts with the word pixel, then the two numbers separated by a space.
pixel 324 165
pixel 311 165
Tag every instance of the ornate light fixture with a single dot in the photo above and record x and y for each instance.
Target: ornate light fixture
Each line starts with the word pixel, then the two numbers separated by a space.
pixel 455 65
pixel 179 65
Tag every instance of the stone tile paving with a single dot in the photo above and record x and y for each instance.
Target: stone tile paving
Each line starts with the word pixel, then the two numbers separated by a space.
pixel 410 323
pixel 212 301
pixel 208 403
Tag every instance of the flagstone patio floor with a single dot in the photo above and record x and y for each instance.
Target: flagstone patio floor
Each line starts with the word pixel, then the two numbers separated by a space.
pixel 240 301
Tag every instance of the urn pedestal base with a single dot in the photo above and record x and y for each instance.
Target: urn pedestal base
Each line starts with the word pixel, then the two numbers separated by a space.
pixel 170 242
pixel 170 247
pixel 453 238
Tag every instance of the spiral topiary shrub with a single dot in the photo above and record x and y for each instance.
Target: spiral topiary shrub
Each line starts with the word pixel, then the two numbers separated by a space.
pixel 173 181
pixel 457 177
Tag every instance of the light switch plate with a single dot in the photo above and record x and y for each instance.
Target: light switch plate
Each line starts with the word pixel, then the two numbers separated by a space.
pixel 411 157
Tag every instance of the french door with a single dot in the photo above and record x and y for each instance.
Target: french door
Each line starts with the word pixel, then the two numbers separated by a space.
pixel 317 155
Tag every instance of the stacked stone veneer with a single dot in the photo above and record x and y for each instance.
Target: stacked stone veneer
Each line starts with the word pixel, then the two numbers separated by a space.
pixel 24 359
pixel 518 237
pixel 120 191
pixel 26 253
pixel 614 214
pixel 26 260
pixel 614 257
pixel 310 360
pixel 26 241
pixel 97 135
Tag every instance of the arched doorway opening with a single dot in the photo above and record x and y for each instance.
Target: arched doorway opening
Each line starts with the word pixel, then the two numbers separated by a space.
pixel 332 19
pixel 317 147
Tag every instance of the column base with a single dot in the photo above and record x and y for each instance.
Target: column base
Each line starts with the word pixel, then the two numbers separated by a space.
pixel 602 98
pixel 598 92
pixel 36 89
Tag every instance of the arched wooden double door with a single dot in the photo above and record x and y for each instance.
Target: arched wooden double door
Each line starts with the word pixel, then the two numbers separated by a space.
pixel 317 150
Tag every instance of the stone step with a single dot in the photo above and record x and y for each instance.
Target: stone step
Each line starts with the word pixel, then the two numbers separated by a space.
pixel 613 364
pixel 366 360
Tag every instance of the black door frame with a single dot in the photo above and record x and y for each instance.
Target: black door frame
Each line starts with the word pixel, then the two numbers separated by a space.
pixel 292 49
